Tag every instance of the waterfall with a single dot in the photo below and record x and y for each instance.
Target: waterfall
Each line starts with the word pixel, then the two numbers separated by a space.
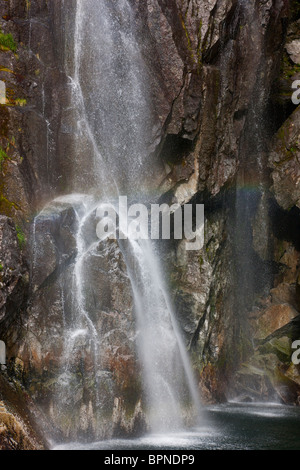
pixel 113 136
pixel 110 90
pixel 168 377
pixel 251 240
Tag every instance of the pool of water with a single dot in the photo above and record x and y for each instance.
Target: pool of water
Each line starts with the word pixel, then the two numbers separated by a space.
pixel 231 426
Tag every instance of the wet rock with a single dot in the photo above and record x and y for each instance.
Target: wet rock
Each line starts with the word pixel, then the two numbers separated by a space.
pixel 136 426
pixel 253 379
pixel 53 240
pixel 284 163
pixel 211 381
pixel 269 374
pixel 13 432
pixel 212 65
pixel 59 369
pixel 13 274
pixel 273 318
pixel 293 49
pixel 284 293
pixel 18 427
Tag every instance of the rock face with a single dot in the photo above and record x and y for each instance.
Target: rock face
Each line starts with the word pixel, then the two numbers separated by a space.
pixel 13 273
pixel 82 399
pixel 284 162
pixel 226 134
pixel 18 429
pixel 35 84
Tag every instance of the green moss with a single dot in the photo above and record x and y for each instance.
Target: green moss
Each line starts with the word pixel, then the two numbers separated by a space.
pixel 7 42
pixel 6 207
pixel 3 156
pixel 189 42
pixel 280 249
pixel 5 69
pixel 281 134
pixel 199 50
pixel 21 237
pixel 288 68
pixel 289 156
pixel 1 267
pixel 20 102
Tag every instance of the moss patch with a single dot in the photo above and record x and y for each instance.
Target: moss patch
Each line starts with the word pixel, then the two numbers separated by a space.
pixel 7 42
pixel 3 157
pixel 20 102
pixel 288 68
pixel 21 237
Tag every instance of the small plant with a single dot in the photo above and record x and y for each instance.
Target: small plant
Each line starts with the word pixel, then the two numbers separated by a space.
pixel 7 42
pixel 21 237
pixel 1 267
pixel 3 156
pixel 20 102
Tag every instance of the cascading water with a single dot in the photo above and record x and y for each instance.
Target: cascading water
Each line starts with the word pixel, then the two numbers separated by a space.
pixel 251 240
pixel 168 377
pixel 109 83
pixel 110 89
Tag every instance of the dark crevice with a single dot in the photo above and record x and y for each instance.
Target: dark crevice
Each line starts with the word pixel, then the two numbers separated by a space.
pixel 175 149
pixel 229 30
pixel 286 224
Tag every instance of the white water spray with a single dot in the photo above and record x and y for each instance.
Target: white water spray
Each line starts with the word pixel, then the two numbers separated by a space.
pixel 109 84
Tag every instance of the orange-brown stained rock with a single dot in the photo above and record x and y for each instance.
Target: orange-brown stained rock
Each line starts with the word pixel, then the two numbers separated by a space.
pixel 17 426
pixel 274 317
pixel 211 385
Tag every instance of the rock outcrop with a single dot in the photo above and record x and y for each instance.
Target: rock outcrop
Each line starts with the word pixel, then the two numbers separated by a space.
pixel 18 427
pixel 14 276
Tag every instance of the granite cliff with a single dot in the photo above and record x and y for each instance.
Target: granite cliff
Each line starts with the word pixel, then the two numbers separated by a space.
pixel 223 132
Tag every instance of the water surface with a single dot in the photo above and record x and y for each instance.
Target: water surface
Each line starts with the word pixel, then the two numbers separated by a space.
pixel 232 426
